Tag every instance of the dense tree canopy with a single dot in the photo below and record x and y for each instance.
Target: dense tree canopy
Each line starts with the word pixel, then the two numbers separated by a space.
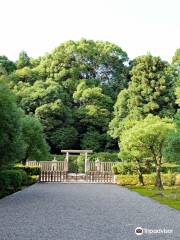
pixel 72 91
pixel 150 91
pixel 10 127
pixel 34 144
pixel 86 94
pixel 6 66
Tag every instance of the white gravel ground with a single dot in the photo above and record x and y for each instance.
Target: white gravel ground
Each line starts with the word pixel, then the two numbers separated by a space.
pixel 54 211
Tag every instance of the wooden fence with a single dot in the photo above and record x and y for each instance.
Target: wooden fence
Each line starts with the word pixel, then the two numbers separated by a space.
pixel 100 166
pixel 53 176
pixel 99 177
pixel 57 171
pixel 32 163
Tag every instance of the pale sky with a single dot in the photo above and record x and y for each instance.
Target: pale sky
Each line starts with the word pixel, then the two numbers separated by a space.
pixel 137 26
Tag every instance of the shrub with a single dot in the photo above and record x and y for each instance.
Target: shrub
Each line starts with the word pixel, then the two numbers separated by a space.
pixel 123 168
pixel 149 179
pixel 12 180
pixel 104 157
pixel 131 168
pixel 169 179
pixel 32 179
pixel 170 168
pixel 127 179
pixel 30 170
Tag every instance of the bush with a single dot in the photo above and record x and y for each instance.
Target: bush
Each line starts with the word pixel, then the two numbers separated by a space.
pixel 30 170
pixel 104 157
pixel 168 179
pixel 32 179
pixel 127 179
pixel 12 180
pixel 123 168
pixel 170 168
pixel 149 179
pixel 131 168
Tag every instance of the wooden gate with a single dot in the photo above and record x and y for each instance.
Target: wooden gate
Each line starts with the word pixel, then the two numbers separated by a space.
pixel 99 172
pixel 54 171
pixel 57 171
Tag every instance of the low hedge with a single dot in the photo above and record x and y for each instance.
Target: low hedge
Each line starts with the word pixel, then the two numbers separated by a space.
pixel 12 180
pixel 170 168
pixel 30 170
pixel 129 168
pixel 149 179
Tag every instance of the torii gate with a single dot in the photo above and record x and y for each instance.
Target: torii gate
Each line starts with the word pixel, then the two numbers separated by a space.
pixel 79 152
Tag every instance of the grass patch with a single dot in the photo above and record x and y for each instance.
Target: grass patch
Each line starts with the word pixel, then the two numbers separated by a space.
pixel 169 196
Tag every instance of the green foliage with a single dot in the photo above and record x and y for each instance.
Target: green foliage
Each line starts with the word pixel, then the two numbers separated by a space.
pixel 10 127
pixel 149 179
pixel 150 91
pixel 147 139
pixel 35 145
pixel 92 140
pixel 6 66
pixel 71 90
pixel 63 138
pixel 12 180
pixel 30 170
pixel 169 196
pixel 151 87
pixel 123 168
pixel 170 168
pixel 104 156
pixel 172 149
pixel 23 60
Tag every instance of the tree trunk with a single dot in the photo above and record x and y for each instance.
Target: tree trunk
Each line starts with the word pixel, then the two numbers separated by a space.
pixel 159 184
pixel 140 174
pixel 25 159
pixel 141 179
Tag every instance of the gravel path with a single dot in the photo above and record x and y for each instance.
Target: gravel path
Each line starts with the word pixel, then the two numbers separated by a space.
pixel 53 211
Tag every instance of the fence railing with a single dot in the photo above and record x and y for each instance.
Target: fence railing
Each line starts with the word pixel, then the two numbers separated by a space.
pixel 100 166
pixel 54 166
pixel 32 163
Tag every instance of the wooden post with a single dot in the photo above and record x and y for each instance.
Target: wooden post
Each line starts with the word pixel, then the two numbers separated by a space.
pixel 98 165
pixel 86 162
pixel 67 160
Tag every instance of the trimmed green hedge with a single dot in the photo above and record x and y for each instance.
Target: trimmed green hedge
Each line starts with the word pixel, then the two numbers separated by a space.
pixel 169 179
pixel 170 168
pixel 129 168
pixel 12 180
pixel 30 170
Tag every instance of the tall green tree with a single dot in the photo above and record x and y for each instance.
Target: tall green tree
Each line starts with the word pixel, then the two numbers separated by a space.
pixel 72 89
pixel 10 127
pixel 93 112
pixel 87 59
pixel 34 143
pixel 147 139
pixel 151 90
pixel 23 60
pixel 6 66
